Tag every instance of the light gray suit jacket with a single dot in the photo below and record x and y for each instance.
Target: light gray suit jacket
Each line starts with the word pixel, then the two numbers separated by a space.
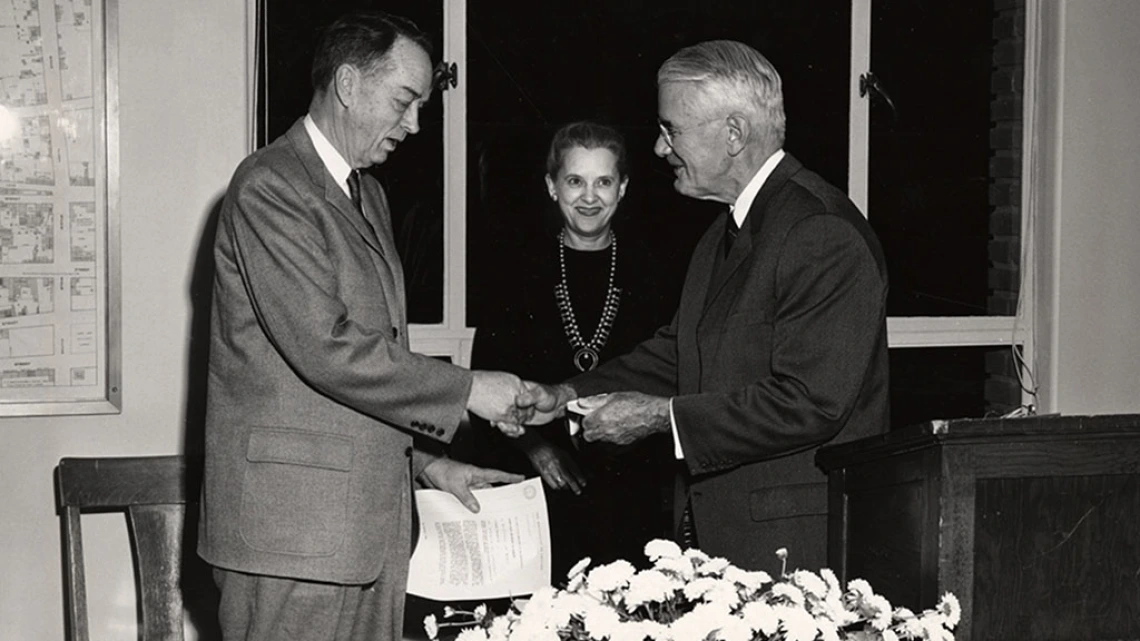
pixel 313 394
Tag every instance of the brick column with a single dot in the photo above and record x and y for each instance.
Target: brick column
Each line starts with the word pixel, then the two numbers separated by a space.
pixel 1002 391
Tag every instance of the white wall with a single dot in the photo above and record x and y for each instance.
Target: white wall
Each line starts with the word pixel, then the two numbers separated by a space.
pixel 1090 319
pixel 183 129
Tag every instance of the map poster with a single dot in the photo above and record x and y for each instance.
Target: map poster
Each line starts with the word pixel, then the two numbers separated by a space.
pixel 59 301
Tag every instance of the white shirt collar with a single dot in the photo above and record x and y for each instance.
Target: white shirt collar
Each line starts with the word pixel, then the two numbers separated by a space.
pixel 744 200
pixel 334 162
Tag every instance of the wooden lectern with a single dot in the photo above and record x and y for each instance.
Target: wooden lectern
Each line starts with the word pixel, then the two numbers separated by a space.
pixel 1033 523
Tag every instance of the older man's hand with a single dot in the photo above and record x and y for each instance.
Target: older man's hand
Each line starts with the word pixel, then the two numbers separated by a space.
pixel 624 417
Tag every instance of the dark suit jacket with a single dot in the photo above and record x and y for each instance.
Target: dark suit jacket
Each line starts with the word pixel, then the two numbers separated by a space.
pixel 781 350
pixel 313 395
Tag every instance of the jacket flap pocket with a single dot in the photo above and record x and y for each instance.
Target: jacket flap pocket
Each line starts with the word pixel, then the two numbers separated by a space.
pixel 784 501
pixel 297 447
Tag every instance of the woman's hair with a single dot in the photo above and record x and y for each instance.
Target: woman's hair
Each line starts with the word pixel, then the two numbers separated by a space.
pixel 362 39
pixel 731 73
pixel 589 135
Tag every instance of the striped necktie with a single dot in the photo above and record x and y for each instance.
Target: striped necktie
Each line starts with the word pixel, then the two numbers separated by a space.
pixel 730 231
pixel 354 189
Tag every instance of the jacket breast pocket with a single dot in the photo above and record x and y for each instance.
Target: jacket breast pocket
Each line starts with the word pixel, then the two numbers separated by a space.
pixel 295 491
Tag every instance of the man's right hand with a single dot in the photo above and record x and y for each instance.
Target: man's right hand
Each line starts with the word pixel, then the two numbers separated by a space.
pixel 493 397
pixel 547 402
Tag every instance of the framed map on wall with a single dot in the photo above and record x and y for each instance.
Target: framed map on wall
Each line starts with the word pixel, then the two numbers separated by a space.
pixel 59 276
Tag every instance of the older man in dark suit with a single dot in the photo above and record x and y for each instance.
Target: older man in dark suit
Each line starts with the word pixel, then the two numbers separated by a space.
pixel 313 395
pixel 779 344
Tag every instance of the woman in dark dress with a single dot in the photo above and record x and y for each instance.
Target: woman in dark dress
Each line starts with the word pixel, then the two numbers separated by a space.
pixel 577 300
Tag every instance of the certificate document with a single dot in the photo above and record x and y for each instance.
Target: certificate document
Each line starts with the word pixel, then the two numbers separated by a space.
pixel 503 551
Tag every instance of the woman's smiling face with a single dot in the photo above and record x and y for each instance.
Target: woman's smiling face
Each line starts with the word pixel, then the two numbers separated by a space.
pixel 587 189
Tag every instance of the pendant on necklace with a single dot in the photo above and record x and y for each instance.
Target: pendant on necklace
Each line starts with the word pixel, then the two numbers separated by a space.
pixel 585 359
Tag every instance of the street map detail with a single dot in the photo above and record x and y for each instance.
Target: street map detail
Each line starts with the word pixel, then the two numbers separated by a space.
pixel 52 209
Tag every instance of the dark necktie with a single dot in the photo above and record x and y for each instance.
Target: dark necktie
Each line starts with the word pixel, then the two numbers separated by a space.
pixel 730 232
pixel 354 189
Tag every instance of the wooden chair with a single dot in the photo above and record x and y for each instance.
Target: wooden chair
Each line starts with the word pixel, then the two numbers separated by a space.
pixel 153 492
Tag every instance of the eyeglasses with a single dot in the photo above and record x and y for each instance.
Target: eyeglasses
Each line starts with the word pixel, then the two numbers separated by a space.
pixel 670 132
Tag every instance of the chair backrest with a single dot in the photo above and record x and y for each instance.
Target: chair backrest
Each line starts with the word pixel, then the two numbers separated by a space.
pixel 153 492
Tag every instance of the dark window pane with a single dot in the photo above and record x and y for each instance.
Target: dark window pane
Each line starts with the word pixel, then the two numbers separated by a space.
pixel 930 155
pixel 535 66
pixel 413 176
pixel 951 382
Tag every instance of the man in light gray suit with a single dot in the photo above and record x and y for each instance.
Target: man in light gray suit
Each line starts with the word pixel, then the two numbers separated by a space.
pixel 316 406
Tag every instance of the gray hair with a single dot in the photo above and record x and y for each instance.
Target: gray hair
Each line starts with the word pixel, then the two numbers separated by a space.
pixel 733 73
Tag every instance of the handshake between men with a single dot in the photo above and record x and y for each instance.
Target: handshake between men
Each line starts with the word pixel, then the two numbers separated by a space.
pixel 509 403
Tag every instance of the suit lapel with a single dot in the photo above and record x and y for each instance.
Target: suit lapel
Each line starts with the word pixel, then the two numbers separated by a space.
pixel 693 296
pixel 753 224
pixel 376 211
pixel 376 231
pixel 333 193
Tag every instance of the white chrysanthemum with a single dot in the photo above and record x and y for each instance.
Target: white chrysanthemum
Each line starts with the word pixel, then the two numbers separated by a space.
pixel 533 631
pixel 696 556
pixel 431 626
pixel 724 594
pixel 653 630
pixel 889 635
pixel 932 629
pixel 734 629
pixel 751 580
pixel 860 588
pixel 696 588
pixel 833 609
pixel 679 566
pixel 713 566
pixel 610 577
pixel 636 631
pixel 827 630
pixel 697 624
pixel 578 568
pixel 472 634
pixel 649 586
pixel 576 582
pixel 481 611
pixel 761 617
pixel 662 549
pixel 949 608
pixel 909 628
pixel 789 592
pixel 810 583
pixel 539 600
pixel 500 629
pixel 600 622
pixel 902 614
pixel 796 623
pixel 831 580
pixel 878 610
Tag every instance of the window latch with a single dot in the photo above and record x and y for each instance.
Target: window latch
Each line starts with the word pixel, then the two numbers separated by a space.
pixel 446 76
pixel 869 84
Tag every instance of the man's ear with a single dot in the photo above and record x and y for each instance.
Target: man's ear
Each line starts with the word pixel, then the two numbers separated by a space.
pixel 739 129
pixel 346 82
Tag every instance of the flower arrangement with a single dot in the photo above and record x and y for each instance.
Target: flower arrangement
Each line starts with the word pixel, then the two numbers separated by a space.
pixel 690 596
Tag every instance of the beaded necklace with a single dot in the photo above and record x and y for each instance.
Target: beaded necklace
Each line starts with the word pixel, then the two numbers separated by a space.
pixel 586 354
